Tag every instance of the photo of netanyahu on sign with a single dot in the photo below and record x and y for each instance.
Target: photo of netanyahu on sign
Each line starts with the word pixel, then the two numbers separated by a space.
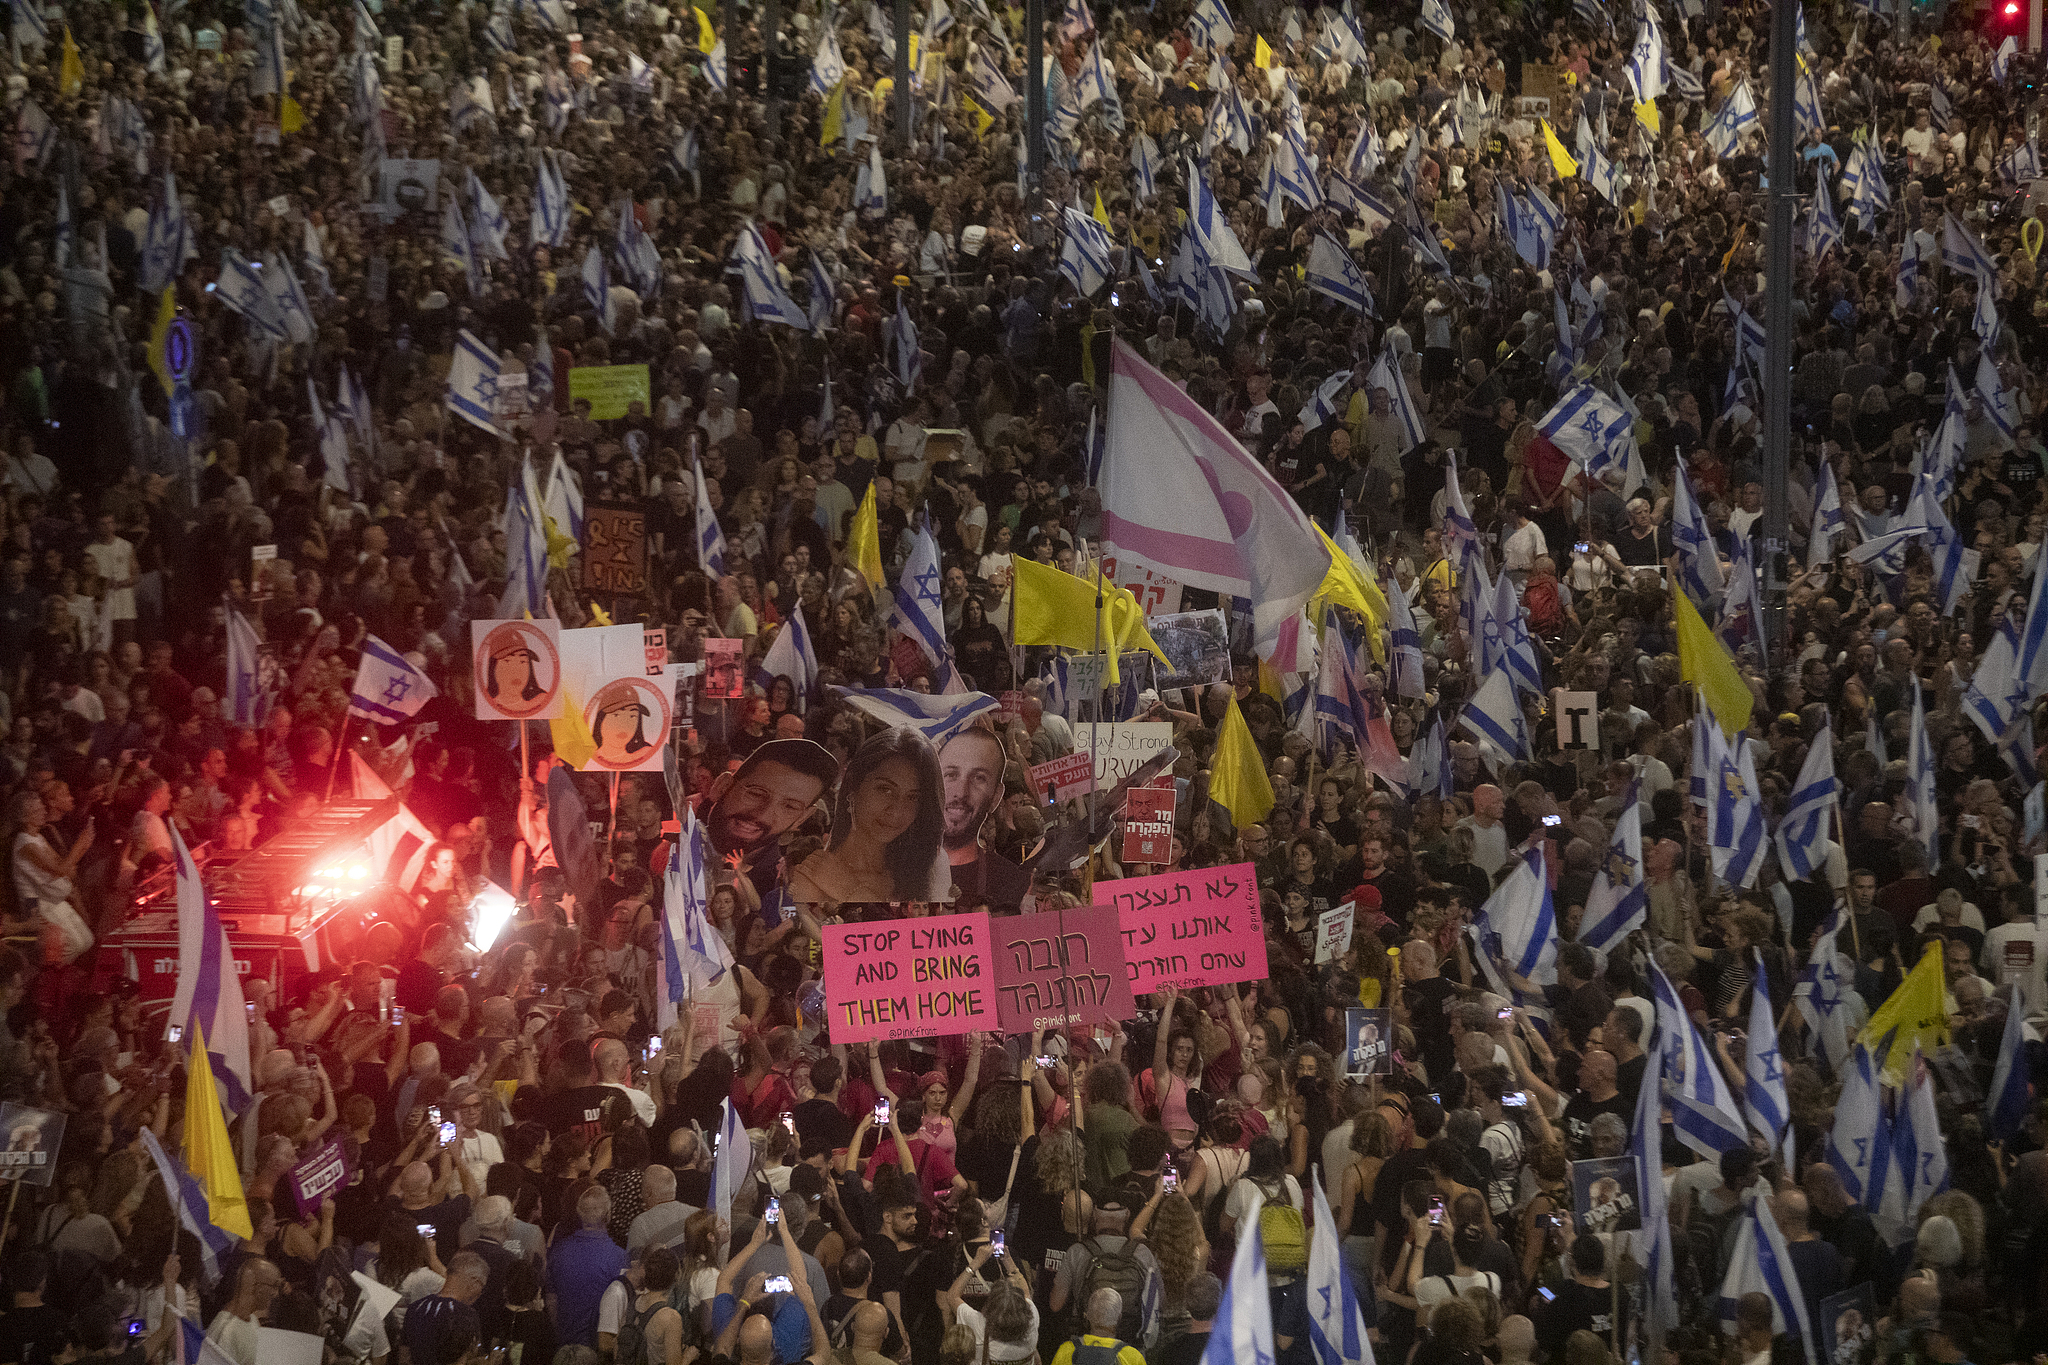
pixel 886 835
pixel 1369 1048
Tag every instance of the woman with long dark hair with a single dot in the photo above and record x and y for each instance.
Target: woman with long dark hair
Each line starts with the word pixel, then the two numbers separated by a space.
pixel 885 835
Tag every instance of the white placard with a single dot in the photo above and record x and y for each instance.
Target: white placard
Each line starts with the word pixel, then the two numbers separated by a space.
pixel 1578 719
pixel 1121 749
pixel 1333 932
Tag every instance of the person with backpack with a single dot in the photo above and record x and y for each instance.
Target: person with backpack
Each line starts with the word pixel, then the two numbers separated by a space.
pixel 1109 1258
pixel 1098 1343
pixel 1267 1192
pixel 653 1333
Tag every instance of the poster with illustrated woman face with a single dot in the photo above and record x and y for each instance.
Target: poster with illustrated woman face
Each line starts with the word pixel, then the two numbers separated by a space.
pixel 629 718
pixel 518 666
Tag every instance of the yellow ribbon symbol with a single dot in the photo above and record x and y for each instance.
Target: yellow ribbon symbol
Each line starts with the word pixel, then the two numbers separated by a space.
pixel 2032 233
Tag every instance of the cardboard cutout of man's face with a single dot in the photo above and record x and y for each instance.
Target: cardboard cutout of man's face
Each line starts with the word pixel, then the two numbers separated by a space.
pixel 757 805
pixel 971 763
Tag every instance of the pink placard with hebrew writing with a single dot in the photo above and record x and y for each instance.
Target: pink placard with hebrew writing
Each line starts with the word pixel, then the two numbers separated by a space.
pixel 910 978
pixel 1186 929
pixel 1059 968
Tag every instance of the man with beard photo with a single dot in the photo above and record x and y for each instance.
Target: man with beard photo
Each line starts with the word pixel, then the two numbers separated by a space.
pixel 971 763
pixel 748 810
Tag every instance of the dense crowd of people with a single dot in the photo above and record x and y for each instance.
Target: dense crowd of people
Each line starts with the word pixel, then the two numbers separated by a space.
pixel 530 1125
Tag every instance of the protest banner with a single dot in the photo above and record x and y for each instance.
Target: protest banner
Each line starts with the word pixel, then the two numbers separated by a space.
pixel 1604 1192
pixel 610 388
pixel 1368 1042
pixel 910 978
pixel 1148 824
pixel 655 641
pixel 517 665
pixel 1578 718
pixel 614 549
pixel 1122 748
pixel 1186 929
pixel 32 1138
pixel 1333 932
pixel 1072 775
pixel 318 1174
pixel 1157 594
pixel 1848 1321
pixel 1060 967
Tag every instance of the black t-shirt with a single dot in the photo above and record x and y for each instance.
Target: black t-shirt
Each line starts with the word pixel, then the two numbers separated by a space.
pixel 1186 1348
pixel 986 1161
pixel 1580 1112
pixel 1577 1307
pixel 418 985
pixel 821 1121
pixel 581 1107
pixel 1432 1027
pixel 890 1261
pixel 840 1306
pixel 26 1335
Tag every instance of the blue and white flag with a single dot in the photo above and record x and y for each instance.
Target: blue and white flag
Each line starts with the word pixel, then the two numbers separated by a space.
pixel 762 297
pixel 824 301
pixel 2001 60
pixel 1087 257
pixel 2033 665
pixel 283 284
pixel 1362 163
pixel 1806 110
pixel 1517 649
pixel 1243 1330
pixel 526 549
pixel 1429 763
pixel 1919 1158
pixel 714 68
pixel 1918 803
pixel 35 137
pixel 1652 1250
pixel 473 382
pixel 1704 1113
pixel 918 610
pixel 903 340
pixel 1820 995
pixel 456 247
pixel 871 186
pixel 550 224
pixel 597 287
pixel 990 83
pixel 1763 1071
pixel 1620 898
pixel 563 500
pixel 1961 250
pixel 932 715
pixel 1405 645
pixel 1762 1264
pixel 694 952
pixel 195 1215
pixel 1332 273
pixel 1075 21
pixel 1591 429
pixel 1737 113
pixel 1646 62
pixel 1494 716
pixel 1386 374
pixel 241 288
pixel 209 990
pixel 1999 405
pixel 1326 402
pixel 1436 17
pixel 1211 228
pixel 1828 521
pixel 1699 561
pixel 166 242
pixel 1517 931
pixel 791 656
pixel 1340 704
pixel 387 689
pixel 828 67
pixel 2010 1098
pixel 247 703
pixel 1742 612
pixel 710 538
pixel 1735 813
pixel 733 1163
pixel 1823 229
pixel 1145 164
pixel 1997 696
pixel 487 225
pixel 315 259
pixel 1803 832
pixel 1858 1141
pixel 1336 1325
pixel 1345 191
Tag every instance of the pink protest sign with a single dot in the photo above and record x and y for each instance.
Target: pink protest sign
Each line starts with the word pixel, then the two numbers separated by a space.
pixel 910 978
pixel 1195 928
pixel 1060 967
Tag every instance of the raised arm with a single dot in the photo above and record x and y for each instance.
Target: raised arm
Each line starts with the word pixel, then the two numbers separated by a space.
pixel 966 1095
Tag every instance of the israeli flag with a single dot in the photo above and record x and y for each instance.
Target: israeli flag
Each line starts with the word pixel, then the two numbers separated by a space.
pixel 1336 1325
pixel 1806 104
pixel 1997 695
pixel 1919 1158
pixel 1367 152
pixel 1340 706
pixel 1436 17
pixel 734 1161
pixel 1858 1141
pixel 1750 338
pixel 1345 192
pixel 828 67
pixel 1243 1330
pixel 498 37
pixel 1735 815
pixel 550 224
pixel 935 716
pixel 1961 250
pixel 315 259
pixel 1984 317
pixel 1494 716
pixel 1620 899
pixel 266 77
pixel 1332 273
pixel 246 704
pixel 1517 930
pixel 473 382
pixel 1518 651
pixel 1803 832
pixel 1326 402
pixel 2001 60
pixel 792 657
pixel 1652 1250
pixel 694 953
pixel 871 191
pixel 388 689
pixel 1828 521
pixel 1145 164
pixel 1699 562
pixel 35 135
pixel 1823 230
pixel 1821 996
pixel 209 989
pixel 1703 1109
pixel 1429 762
pixel 241 288
pixel 918 609
pixel 1405 642
pixel 282 283
pixel 1742 613
pixel 1919 802
pixel 1210 25
pixel 488 227
pixel 2011 1098
pixel 455 245
pixel 195 1215
pixel 710 537
pixel 1087 256
pixel 1646 62
pixel 1386 375
pixel 1762 1264
pixel 1763 1070
pixel 1587 425
pixel 762 296
pixel 597 286
pixel 714 68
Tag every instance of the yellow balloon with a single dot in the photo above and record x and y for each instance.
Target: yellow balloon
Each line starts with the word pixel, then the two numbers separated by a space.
pixel 2032 232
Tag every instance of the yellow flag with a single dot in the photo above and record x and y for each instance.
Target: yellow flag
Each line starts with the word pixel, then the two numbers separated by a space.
pixel 1916 1013
pixel 1262 53
pixel 1101 214
pixel 913 49
pixel 166 313
pixel 1055 608
pixel 864 540
pixel 1237 775
pixel 208 1153
pixel 290 116
pixel 571 733
pixel 707 36
pixel 983 119
pixel 1646 114
pixel 70 80
pixel 1705 662
pixel 834 126
pixel 1559 157
pixel 1345 586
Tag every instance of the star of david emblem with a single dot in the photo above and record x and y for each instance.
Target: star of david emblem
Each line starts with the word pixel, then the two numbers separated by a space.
pixel 396 688
pixel 1770 1061
pixel 1621 868
pixel 1591 422
pixel 487 388
pixel 928 585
